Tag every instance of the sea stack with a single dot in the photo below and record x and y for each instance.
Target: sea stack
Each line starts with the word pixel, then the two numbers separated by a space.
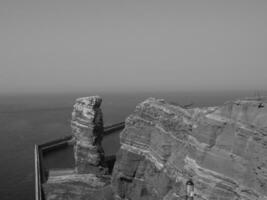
pixel 87 129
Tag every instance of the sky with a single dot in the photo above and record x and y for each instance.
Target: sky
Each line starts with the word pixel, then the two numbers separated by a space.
pixel 66 46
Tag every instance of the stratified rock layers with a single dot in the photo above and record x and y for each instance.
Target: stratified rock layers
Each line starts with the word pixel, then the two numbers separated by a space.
pixel 63 185
pixel 87 128
pixel 222 150
pixel 89 180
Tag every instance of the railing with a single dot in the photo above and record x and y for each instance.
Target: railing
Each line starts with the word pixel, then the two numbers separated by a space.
pixel 52 145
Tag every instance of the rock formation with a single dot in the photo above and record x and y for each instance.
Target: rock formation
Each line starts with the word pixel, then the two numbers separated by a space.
pixel 68 185
pixel 215 153
pixel 89 179
pixel 169 153
pixel 87 129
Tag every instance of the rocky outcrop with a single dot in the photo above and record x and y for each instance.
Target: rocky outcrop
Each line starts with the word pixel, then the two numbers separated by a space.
pixel 89 179
pixel 168 152
pixel 68 185
pixel 87 129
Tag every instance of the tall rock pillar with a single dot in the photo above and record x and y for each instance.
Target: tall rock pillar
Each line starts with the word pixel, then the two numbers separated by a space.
pixel 87 129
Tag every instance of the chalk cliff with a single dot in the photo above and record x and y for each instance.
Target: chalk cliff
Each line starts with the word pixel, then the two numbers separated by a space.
pixel 168 152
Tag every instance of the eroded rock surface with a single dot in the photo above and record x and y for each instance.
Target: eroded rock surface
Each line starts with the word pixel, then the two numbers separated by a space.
pixel 87 128
pixel 222 150
pixel 72 186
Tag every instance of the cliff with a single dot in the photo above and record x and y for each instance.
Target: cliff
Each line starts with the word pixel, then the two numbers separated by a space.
pixel 168 152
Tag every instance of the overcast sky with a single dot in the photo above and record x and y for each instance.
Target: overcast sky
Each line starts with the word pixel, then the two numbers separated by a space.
pixel 60 45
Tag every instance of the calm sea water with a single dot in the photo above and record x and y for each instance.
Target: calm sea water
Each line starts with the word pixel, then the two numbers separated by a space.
pixel 26 120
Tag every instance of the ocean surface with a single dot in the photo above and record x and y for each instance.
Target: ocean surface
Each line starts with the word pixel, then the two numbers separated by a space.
pixel 26 120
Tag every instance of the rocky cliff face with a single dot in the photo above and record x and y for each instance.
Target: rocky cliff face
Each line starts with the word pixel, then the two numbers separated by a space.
pixel 87 129
pixel 168 152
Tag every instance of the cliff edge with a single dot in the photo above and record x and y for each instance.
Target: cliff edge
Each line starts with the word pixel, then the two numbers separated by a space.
pixel 168 152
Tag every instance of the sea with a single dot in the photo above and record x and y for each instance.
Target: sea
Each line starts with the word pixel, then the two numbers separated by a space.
pixel 26 120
